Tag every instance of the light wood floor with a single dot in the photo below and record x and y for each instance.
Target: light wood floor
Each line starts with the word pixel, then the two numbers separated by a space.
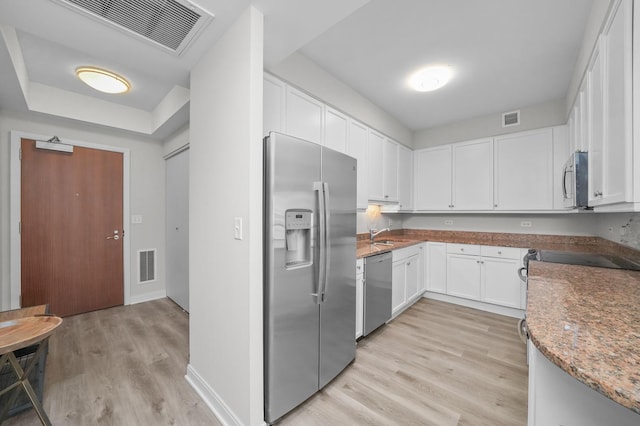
pixel 121 366
pixel 436 364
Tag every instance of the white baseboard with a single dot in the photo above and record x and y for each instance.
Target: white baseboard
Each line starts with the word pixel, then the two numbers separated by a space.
pixel 147 297
pixel 211 398
pixel 488 307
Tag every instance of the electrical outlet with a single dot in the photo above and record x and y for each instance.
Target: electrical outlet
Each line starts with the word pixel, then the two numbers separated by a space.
pixel 448 222
pixel 136 218
pixel 526 224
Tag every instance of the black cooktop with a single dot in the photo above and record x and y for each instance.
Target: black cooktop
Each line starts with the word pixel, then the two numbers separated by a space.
pixel 585 259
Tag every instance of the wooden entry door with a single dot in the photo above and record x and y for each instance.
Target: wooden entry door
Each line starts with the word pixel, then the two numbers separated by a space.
pixel 71 213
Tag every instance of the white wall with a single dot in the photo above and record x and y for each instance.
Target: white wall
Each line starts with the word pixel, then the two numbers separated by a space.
pixel 225 299
pixel 560 224
pixel 305 74
pixel 147 195
pixel 531 117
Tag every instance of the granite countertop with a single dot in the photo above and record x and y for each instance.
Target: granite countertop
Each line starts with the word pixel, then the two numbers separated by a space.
pixel 406 237
pixel 586 320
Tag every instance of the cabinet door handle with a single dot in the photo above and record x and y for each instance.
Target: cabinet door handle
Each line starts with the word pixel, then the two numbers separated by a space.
pixel 499 251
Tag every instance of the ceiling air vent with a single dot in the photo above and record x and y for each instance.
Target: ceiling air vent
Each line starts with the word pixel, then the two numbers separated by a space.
pixel 511 118
pixel 167 23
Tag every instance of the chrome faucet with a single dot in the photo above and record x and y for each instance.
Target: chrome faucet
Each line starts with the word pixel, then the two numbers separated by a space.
pixel 374 232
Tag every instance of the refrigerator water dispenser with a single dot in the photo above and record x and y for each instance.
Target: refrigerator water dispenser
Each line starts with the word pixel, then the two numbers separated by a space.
pixel 297 225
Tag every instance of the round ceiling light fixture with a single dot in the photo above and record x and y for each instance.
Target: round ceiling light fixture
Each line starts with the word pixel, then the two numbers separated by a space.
pixel 103 80
pixel 431 78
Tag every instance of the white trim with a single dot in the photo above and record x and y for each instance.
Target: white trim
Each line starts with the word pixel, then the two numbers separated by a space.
pixel 224 414
pixel 14 215
pixel 147 297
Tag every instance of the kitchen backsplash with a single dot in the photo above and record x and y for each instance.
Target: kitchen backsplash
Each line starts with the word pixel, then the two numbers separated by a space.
pixel 623 228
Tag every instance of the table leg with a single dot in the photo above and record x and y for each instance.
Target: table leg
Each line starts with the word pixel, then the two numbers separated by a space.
pixel 23 379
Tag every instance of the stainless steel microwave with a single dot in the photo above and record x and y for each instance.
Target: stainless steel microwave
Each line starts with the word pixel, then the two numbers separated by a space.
pixel 575 189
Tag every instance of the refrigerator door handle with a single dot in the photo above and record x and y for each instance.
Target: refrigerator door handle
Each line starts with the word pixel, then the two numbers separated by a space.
pixel 321 242
pixel 327 239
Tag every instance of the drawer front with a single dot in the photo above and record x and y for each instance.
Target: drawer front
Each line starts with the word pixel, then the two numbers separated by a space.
pixel 463 249
pixel 405 252
pixel 503 252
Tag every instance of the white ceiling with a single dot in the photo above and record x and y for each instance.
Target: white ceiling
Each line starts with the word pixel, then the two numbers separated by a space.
pixel 506 53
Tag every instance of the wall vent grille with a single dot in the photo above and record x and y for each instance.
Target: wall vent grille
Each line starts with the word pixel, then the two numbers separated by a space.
pixel 511 118
pixel 146 265
pixel 167 23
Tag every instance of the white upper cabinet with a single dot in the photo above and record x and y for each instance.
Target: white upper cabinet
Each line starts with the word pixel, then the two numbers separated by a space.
pixel 357 148
pixel 390 170
pixel 304 116
pixel 405 175
pixel 375 152
pixel 432 178
pixel 473 175
pixel 455 177
pixel 561 152
pixel 335 130
pixel 524 171
pixel 595 123
pixel 273 105
pixel 610 82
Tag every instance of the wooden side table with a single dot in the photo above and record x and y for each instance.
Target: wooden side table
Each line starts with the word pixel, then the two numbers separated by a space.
pixel 18 334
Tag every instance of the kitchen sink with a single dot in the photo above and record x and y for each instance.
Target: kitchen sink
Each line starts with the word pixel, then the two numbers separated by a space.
pixel 384 243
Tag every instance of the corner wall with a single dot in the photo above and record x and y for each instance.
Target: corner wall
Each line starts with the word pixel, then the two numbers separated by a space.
pixel 532 117
pixel 225 295
pixel 147 194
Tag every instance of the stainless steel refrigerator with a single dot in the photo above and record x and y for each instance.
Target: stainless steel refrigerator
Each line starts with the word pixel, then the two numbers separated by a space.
pixel 309 269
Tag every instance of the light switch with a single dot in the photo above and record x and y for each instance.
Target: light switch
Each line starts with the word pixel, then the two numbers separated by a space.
pixel 237 228
pixel 136 218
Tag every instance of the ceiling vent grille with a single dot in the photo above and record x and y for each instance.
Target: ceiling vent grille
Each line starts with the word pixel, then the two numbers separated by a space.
pixel 511 118
pixel 167 23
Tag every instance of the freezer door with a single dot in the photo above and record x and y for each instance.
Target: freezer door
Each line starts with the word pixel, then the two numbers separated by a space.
pixel 291 318
pixel 337 312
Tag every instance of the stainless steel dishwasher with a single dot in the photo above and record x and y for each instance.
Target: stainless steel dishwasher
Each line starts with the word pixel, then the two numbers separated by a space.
pixel 377 291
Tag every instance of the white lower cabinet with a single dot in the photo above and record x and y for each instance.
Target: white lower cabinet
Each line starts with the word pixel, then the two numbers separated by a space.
pixel 485 274
pixel 407 275
pixel 500 283
pixel 463 271
pixel 359 297
pixel 436 267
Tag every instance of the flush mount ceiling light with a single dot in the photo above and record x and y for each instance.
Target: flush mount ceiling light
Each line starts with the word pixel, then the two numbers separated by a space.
pixel 103 80
pixel 431 78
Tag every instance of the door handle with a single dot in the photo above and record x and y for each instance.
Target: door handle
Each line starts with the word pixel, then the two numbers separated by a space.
pixel 115 235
